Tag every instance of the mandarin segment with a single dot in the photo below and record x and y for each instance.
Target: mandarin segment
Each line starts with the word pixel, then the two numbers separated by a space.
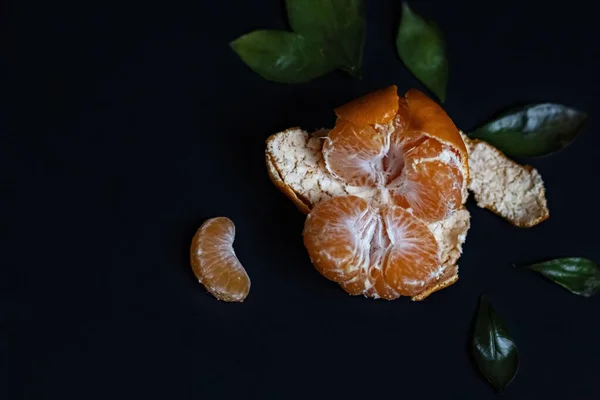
pixel 214 262
pixel 378 252
pixel 331 236
pixel 432 191
pixel 432 183
pixel 377 107
pixel 413 261
pixel 354 153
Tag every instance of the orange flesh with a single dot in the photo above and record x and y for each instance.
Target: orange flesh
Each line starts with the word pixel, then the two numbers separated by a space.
pixel 382 252
pixel 430 185
pixel 420 172
pixel 354 153
pixel 214 262
pixel 411 151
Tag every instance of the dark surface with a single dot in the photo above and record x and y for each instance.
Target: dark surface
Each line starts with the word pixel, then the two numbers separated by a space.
pixel 125 125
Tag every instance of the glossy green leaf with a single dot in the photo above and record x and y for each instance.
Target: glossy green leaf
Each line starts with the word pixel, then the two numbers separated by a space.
pixel 494 350
pixel 533 130
pixel 284 57
pixel 340 24
pixel 578 275
pixel 421 47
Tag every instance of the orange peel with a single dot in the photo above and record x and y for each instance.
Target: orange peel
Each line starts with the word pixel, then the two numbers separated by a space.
pixel 300 165
pixel 377 107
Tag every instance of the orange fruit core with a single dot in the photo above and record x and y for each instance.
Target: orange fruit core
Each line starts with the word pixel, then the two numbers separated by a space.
pixel 214 262
pixel 410 151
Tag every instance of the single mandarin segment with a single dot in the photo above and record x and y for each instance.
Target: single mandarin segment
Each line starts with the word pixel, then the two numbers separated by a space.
pixel 353 152
pixel 331 238
pixel 381 252
pixel 377 107
pixel 432 182
pixel 214 262
pixel 432 192
pixel 413 260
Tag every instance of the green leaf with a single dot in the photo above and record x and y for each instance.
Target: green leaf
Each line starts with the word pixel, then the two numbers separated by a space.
pixel 421 47
pixel 494 350
pixel 532 130
pixel 284 57
pixel 340 24
pixel 578 275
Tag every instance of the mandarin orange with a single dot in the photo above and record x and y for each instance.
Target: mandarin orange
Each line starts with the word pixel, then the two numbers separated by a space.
pixel 410 152
pixel 415 162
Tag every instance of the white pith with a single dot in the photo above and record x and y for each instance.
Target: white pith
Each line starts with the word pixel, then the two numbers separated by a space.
pixel 511 190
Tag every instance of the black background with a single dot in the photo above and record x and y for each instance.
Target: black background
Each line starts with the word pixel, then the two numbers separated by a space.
pixel 126 124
